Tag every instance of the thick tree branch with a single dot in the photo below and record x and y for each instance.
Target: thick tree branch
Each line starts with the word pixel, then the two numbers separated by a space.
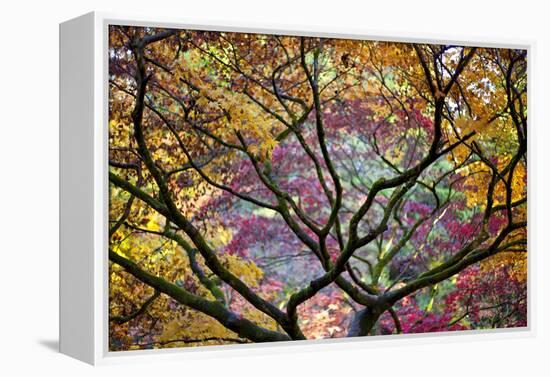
pixel 234 322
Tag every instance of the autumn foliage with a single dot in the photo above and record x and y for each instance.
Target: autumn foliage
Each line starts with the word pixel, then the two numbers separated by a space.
pixel 270 188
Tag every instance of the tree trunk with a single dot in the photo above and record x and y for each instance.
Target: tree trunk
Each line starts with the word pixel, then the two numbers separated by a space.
pixel 363 322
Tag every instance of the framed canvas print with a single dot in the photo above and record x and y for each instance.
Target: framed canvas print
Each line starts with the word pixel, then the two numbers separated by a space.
pixel 223 187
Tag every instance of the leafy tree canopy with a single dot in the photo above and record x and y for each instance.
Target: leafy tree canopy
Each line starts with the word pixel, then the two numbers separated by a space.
pixel 270 188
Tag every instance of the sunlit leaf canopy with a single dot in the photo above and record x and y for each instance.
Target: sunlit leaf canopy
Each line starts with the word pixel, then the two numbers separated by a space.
pixel 270 188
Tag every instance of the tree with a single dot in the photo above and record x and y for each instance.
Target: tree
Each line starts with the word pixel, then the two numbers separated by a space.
pixel 270 188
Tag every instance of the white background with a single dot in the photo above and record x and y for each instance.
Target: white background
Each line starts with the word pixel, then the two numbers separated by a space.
pixel 29 185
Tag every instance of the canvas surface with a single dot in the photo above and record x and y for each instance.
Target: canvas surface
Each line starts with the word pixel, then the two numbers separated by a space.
pixel 269 188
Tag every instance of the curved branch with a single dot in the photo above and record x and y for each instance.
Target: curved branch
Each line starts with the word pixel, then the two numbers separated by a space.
pixel 234 322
